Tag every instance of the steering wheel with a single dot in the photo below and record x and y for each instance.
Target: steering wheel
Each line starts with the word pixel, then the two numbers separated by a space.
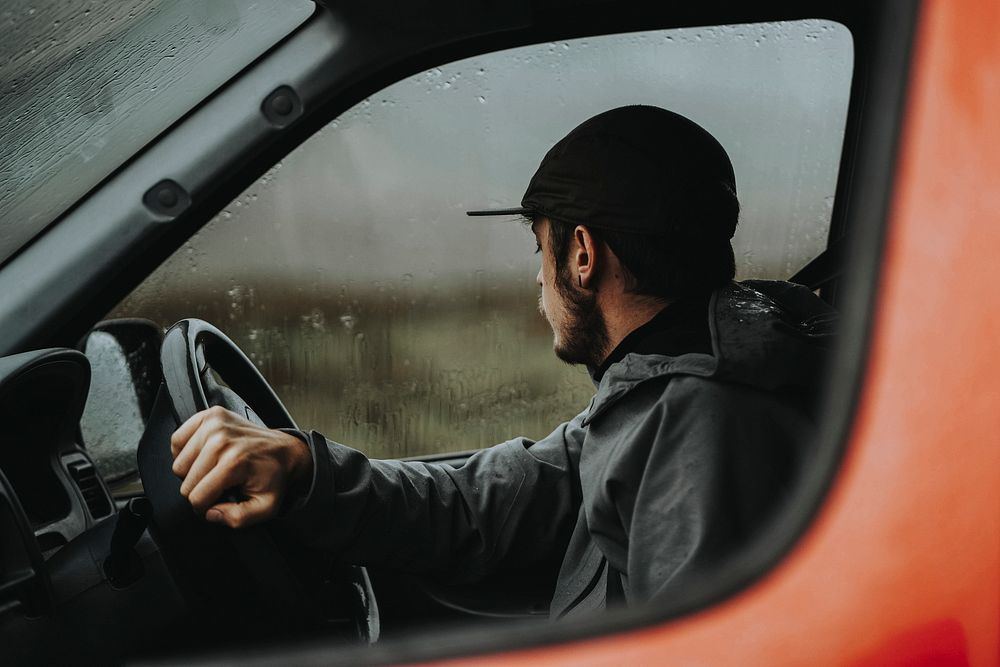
pixel 258 575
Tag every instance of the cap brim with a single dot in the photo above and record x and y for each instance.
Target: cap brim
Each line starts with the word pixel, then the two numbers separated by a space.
pixel 501 211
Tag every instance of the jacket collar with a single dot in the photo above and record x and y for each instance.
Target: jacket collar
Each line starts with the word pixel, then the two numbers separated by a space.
pixel 677 329
pixel 635 369
pixel 768 334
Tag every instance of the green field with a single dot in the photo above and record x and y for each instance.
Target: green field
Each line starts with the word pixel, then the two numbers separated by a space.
pixel 390 369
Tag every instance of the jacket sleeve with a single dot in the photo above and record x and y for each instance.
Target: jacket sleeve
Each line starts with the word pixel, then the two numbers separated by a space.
pixel 507 507
pixel 720 460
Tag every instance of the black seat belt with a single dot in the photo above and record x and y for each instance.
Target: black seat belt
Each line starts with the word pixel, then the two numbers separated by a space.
pixel 824 268
pixel 616 592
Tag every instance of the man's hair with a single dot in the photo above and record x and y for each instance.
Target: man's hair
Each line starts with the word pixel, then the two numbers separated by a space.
pixel 689 258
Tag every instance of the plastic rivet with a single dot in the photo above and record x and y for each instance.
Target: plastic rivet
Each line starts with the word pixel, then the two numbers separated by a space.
pixel 282 105
pixel 166 198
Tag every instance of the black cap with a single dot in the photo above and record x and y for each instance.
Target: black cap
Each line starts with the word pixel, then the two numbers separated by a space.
pixel 637 169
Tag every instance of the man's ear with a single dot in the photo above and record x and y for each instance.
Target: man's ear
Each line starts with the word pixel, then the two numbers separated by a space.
pixel 584 257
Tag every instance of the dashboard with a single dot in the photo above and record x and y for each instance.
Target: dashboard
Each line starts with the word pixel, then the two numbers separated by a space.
pixel 54 479
pixel 52 491
pixel 57 520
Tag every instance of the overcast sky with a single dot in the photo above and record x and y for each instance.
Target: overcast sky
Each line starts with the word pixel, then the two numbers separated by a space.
pixel 380 194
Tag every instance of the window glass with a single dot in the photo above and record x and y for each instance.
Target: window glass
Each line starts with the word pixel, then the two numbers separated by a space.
pixel 111 424
pixel 84 85
pixel 390 321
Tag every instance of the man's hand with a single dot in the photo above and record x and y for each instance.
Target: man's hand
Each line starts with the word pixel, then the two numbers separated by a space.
pixel 216 450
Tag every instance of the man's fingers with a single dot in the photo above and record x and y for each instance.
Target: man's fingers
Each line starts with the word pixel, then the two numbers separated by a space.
pixel 215 481
pixel 181 436
pixel 246 513
pixel 212 456
pixel 192 450
pixel 214 422
pixel 216 450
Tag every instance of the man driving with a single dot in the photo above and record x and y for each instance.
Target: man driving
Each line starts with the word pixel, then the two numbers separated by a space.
pixel 705 397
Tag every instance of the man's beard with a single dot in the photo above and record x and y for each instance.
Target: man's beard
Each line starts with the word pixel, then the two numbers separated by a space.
pixel 583 338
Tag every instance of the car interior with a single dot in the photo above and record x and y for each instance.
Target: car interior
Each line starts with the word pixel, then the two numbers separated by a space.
pixel 106 563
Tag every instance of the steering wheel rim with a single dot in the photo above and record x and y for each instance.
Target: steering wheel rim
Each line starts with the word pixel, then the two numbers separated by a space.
pixel 185 353
pixel 213 564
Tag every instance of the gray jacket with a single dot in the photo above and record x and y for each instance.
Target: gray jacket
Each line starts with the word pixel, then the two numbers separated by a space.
pixel 675 462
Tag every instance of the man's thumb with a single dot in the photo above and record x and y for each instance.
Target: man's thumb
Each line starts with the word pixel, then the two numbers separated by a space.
pixel 238 515
pixel 231 514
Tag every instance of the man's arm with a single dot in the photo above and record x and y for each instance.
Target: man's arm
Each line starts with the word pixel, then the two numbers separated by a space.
pixel 509 505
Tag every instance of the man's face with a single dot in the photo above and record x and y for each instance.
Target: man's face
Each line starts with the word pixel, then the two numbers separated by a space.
pixel 579 331
pixel 549 302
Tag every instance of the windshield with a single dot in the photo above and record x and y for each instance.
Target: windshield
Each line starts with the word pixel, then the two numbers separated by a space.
pixel 85 84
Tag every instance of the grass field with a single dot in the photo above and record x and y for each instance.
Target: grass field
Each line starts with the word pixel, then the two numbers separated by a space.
pixel 390 369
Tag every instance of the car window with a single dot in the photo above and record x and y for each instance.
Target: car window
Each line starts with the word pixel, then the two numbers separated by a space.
pixel 388 320
pixel 112 416
pixel 84 85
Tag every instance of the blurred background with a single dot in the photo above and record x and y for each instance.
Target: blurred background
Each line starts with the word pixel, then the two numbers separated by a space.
pixel 391 322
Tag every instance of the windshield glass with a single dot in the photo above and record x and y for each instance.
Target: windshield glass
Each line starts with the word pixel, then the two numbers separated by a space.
pixel 85 84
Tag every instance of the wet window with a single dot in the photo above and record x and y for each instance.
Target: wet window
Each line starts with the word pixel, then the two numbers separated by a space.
pixel 388 320
pixel 112 423
pixel 84 85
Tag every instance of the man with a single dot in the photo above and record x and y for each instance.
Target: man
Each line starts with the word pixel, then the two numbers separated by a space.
pixel 704 404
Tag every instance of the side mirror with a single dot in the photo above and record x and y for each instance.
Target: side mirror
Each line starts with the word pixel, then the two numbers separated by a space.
pixel 124 357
